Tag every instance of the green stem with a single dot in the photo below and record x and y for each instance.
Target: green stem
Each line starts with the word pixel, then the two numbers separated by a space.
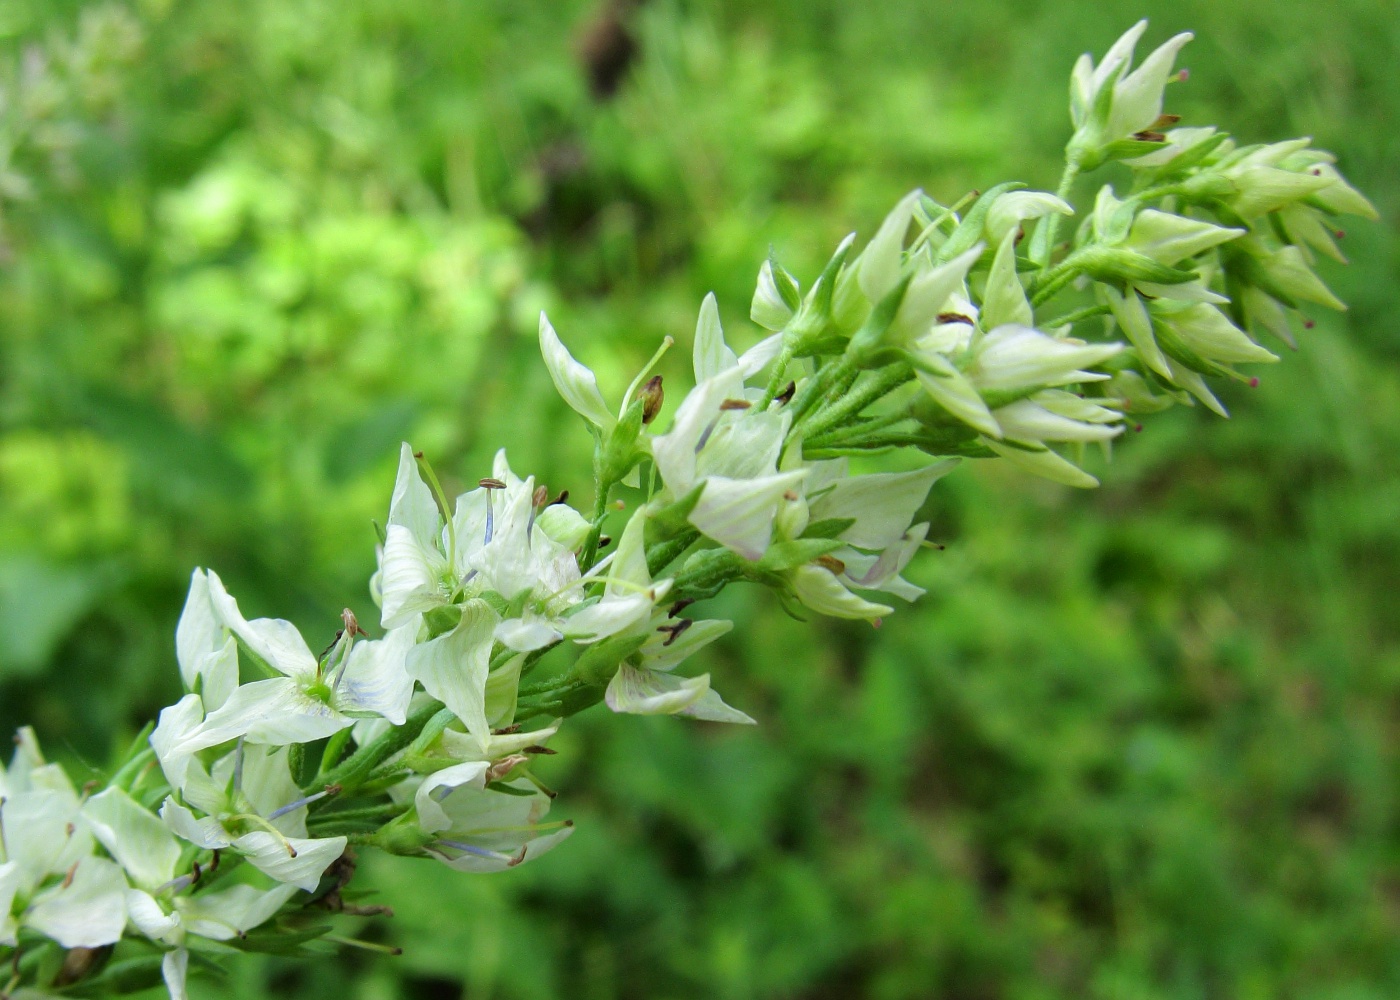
pixel 1051 281
pixel 1051 222
pixel 1088 312
pixel 335 748
pixel 841 437
pixel 589 555
pixel 352 772
pixel 884 382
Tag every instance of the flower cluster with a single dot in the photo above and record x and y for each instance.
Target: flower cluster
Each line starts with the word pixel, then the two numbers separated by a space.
pixel 944 338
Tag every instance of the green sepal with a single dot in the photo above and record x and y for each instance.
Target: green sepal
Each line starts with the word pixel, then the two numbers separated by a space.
pixel 675 516
pixel 830 527
pixel 969 231
pixel 1116 264
pixel 789 555
pixel 442 619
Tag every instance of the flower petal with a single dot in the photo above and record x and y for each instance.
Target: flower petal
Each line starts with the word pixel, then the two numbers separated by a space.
pixel 453 667
pixel 575 382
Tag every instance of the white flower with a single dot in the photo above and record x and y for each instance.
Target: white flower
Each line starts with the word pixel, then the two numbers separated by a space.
pixel 312 700
pixel 250 804
pixel 49 879
pixel 1110 103
pixel 720 443
pixel 644 684
pixel 478 829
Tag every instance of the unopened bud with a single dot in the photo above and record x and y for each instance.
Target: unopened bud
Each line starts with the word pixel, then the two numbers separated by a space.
pixel 652 396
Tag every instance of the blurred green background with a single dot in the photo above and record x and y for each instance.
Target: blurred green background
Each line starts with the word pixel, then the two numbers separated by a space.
pixel 1138 743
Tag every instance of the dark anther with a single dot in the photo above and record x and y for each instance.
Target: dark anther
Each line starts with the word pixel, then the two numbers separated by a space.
pixel 786 394
pixel 735 404
pixel 789 495
pixel 652 396
pixel 1308 324
pixel 831 563
pixel 680 606
pixel 491 484
pixel 563 497
pixel 327 651
pixel 1146 135
pixel 604 541
pixel 952 317
pixel 1137 428
pixel 536 748
pixel 508 730
pixel 1163 121
pixel 675 631
pixel 196 873
pixel 417 454
pixel 214 862
pixel 541 496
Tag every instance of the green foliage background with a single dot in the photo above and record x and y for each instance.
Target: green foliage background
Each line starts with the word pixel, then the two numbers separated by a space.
pixel 1140 743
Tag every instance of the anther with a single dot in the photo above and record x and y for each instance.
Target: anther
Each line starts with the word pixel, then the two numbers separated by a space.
pixel 352 625
pixel 783 397
pixel 68 878
pixel 735 404
pixel 1308 324
pixel 563 497
pixel 954 317
pixel 604 541
pixel 830 563
pixel 69 829
pixel 196 873
pixel 491 484
pixel 789 495
pixel 1137 428
pixel 507 731
pixel 680 606
pixel 1316 171
pixel 1163 121
pixel 541 496
pixel 536 748
pixel 1254 383
pixel 652 396
pixel 1183 75
pixel 418 454
pixel 675 631
pixel 876 622
pixel 1147 135
pixel 1341 234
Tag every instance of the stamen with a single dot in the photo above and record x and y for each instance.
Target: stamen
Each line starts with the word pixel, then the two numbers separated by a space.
pixel 786 395
pixel 675 631
pixel 257 820
pixel 642 375
pixel 379 949
pixel 706 436
pixel 830 563
pixel 955 317
pixel 318 796
pixel 68 878
pixel 491 484
pixel 563 497
pixel 734 404
pixel 176 884
pixel 472 849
